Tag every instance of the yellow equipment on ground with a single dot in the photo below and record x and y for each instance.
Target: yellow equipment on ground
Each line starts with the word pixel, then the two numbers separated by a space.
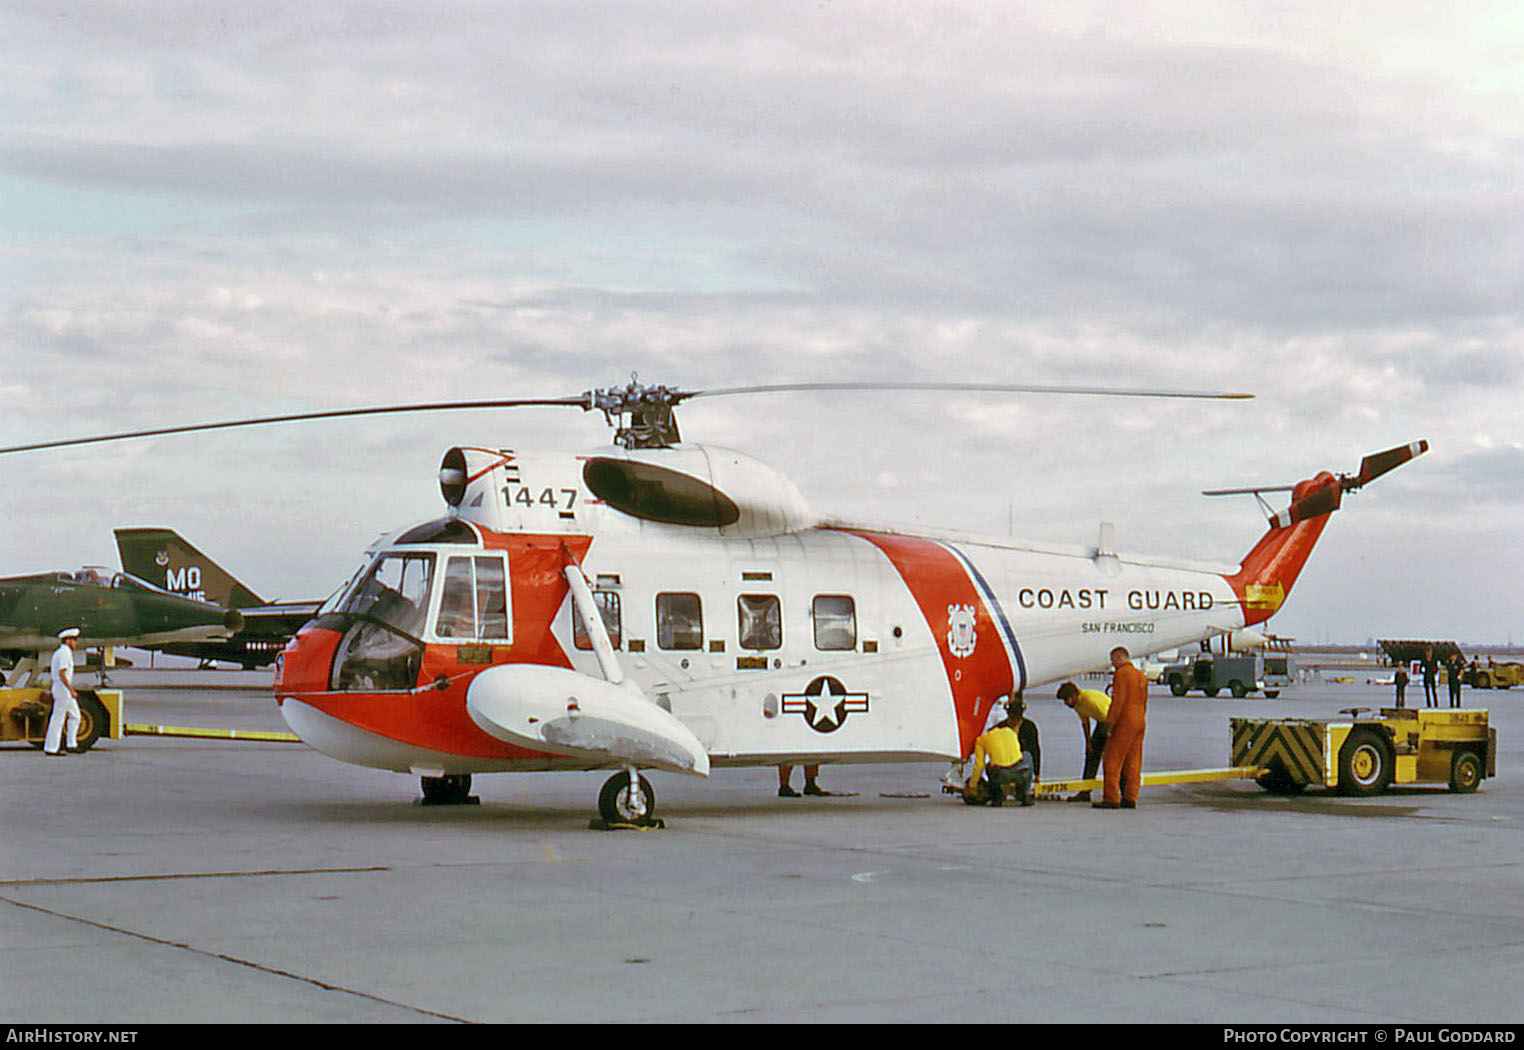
pixel 1495 675
pixel 24 715
pixel 1366 755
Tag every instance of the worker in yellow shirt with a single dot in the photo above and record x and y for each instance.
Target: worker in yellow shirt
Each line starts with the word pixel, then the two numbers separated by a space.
pixel 1009 753
pixel 1091 705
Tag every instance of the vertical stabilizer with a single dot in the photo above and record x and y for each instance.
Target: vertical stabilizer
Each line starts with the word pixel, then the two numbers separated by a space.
pixel 1269 570
pixel 165 559
pixel 1267 573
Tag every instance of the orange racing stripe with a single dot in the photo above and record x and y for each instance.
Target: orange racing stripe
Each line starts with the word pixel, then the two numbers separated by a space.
pixel 946 586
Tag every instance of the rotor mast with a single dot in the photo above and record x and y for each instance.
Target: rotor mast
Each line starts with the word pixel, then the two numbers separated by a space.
pixel 652 423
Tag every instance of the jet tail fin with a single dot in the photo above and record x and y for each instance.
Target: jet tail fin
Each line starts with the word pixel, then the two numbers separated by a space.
pixel 166 559
pixel 1269 570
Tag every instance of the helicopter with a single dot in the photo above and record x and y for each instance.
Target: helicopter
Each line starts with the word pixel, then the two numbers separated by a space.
pixel 656 604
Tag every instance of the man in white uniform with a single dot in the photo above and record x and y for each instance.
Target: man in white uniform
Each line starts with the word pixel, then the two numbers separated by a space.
pixel 63 725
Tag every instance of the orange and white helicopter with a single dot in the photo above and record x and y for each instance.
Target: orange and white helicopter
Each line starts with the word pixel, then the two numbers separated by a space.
pixel 659 605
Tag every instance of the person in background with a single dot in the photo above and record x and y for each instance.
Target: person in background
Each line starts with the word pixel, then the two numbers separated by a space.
pixel 786 774
pixel 63 723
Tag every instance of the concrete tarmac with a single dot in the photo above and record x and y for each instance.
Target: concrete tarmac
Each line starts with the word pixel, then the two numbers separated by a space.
pixel 158 880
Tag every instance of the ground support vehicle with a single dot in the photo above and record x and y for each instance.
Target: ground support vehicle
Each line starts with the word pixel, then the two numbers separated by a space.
pixel 1360 755
pixel 24 715
pixel 1238 673
pixel 1494 675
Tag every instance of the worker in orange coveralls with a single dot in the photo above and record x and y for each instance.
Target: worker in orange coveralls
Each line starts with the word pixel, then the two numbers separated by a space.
pixel 1122 761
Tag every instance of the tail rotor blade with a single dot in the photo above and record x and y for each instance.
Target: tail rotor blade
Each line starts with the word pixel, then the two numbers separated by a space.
pixel 1379 463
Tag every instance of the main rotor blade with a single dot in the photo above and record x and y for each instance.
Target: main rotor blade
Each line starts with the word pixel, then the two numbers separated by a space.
pixel 973 388
pixel 580 401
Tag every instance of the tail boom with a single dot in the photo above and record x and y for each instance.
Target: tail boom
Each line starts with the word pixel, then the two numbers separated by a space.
pixel 1269 570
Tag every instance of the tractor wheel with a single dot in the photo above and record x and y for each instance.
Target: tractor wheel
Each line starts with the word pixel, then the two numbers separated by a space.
pixel 1238 689
pixel 1279 782
pixel 94 722
pixel 1365 763
pixel 1177 685
pixel 1465 772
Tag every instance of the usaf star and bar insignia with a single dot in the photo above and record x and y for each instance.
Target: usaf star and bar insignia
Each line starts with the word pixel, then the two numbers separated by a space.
pixel 825 704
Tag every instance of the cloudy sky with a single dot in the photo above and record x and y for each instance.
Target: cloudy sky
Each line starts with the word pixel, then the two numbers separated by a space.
pixel 218 210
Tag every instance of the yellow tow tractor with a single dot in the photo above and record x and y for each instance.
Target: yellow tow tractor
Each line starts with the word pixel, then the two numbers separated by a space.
pixel 1361 755
pixel 24 715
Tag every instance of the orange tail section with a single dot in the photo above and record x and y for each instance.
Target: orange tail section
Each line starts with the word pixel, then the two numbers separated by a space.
pixel 1267 573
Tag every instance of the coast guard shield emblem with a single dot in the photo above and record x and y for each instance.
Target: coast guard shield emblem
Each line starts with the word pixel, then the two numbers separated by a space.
pixel 961 636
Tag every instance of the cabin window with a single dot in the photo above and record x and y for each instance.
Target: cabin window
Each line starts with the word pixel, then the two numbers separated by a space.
pixel 679 621
pixel 761 621
pixel 473 603
pixel 835 619
pixel 608 608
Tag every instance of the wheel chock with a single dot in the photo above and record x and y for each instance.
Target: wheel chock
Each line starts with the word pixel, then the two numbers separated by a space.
pixel 647 824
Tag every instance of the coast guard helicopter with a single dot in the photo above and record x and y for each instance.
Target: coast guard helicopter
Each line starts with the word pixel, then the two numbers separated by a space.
pixel 661 605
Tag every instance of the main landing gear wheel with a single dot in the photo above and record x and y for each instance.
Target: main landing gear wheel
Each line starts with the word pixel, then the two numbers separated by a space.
pixel 1365 764
pixel 627 800
pixel 453 789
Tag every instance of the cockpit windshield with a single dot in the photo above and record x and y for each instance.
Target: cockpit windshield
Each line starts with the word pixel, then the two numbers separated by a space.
pixel 381 650
pixel 395 591
pixel 124 582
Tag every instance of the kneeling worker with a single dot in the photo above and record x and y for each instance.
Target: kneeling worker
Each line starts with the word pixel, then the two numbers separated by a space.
pixel 1013 754
pixel 1092 706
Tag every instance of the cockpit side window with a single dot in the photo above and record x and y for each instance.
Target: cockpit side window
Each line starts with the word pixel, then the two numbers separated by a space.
pixel 473 603
pixel 457 605
pixel 492 597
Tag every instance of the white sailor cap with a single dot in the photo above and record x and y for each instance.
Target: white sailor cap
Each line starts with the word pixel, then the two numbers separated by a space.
pixel 68 632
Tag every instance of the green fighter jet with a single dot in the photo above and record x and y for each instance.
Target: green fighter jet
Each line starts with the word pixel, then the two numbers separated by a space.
pixel 108 608
pixel 166 559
